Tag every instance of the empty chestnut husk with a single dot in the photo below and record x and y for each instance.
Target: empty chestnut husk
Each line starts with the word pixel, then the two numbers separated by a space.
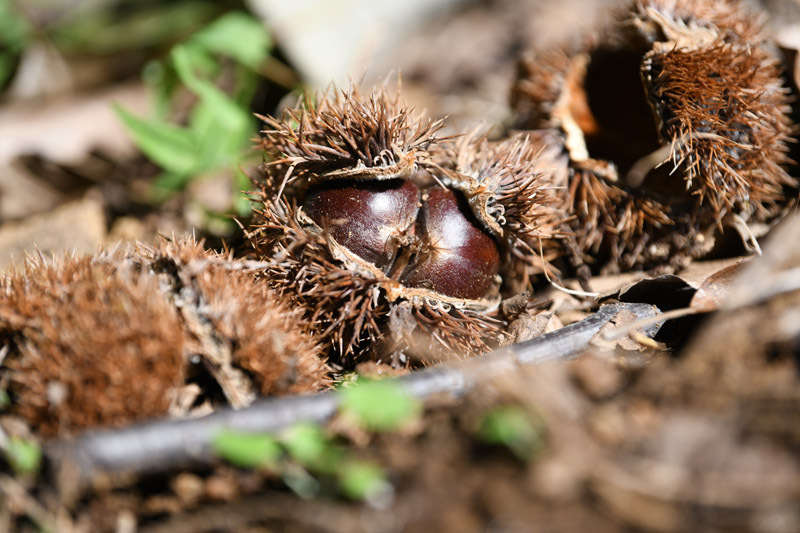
pixel 675 123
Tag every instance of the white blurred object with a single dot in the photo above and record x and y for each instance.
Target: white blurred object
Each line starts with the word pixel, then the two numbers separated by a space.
pixel 337 40
pixel 42 72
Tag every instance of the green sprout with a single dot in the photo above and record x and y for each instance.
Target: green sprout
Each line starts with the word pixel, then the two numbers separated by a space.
pixel 379 405
pixel 15 33
pixel 515 428
pixel 247 450
pixel 302 455
pixel 219 126
pixel 24 456
pixel 359 480
pixel 309 446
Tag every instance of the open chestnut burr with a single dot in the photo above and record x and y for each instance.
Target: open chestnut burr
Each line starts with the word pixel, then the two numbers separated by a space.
pixel 396 242
pixel 675 123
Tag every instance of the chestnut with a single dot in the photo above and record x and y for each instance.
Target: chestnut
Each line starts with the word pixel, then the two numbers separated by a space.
pixel 367 217
pixel 457 258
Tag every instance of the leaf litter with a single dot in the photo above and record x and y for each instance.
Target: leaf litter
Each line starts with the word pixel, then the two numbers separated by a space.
pixel 688 424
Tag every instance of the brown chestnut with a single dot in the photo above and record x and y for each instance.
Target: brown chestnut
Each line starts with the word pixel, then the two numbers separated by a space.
pixel 457 258
pixel 365 217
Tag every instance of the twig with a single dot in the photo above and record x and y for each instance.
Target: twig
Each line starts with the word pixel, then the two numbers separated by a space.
pixel 172 444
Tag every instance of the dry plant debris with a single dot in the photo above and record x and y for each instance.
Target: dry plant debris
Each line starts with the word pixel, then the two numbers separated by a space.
pixel 378 240
pixel 676 122
pixel 127 335
pixel 399 244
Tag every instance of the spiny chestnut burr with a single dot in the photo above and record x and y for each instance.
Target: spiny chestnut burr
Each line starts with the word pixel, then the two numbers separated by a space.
pixel 675 121
pixel 93 342
pixel 392 239
pixel 109 339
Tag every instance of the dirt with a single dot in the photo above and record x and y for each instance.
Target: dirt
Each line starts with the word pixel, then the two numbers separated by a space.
pixel 696 429
pixel 703 440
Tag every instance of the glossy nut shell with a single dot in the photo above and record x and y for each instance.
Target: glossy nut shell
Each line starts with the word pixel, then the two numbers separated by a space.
pixel 457 258
pixel 365 217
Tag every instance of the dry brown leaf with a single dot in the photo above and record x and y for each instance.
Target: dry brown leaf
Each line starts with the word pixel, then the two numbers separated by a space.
pixel 713 291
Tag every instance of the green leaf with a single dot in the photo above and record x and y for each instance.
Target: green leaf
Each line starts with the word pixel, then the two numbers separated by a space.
pixel 247 450
pixel 169 146
pixel 226 112
pixel 511 426
pixel 15 33
pixel 379 405
pixel 24 456
pixel 201 63
pixel 219 146
pixel 238 36
pixel 15 30
pixel 363 481
pixel 166 183
pixel 5 400
pixel 307 445
pixel 7 62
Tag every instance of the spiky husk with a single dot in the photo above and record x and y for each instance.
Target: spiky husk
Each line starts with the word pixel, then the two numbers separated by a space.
pixel 374 136
pixel 721 116
pixel 344 135
pixel 511 188
pixel 94 343
pixel 349 309
pixel 430 333
pixel 106 340
pixel 629 230
pixel 729 133
pixel 343 306
pixel 228 312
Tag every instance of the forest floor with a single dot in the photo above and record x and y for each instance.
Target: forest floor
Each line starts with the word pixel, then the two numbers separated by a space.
pixel 693 424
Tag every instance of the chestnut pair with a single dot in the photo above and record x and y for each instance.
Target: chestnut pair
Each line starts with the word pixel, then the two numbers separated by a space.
pixel 423 240
pixel 395 241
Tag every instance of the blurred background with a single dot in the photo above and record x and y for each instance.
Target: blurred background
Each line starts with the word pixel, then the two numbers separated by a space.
pixel 123 119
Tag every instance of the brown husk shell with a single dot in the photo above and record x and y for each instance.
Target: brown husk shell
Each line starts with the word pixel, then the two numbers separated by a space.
pixel 720 128
pixel 110 339
pixel 96 343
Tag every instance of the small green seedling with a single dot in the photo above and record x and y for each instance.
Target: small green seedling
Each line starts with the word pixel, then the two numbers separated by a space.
pixel 218 131
pixel 519 430
pixel 363 481
pixel 309 446
pixel 379 405
pixel 248 450
pixel 24 456
pixel 300 455
pixel 15 33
